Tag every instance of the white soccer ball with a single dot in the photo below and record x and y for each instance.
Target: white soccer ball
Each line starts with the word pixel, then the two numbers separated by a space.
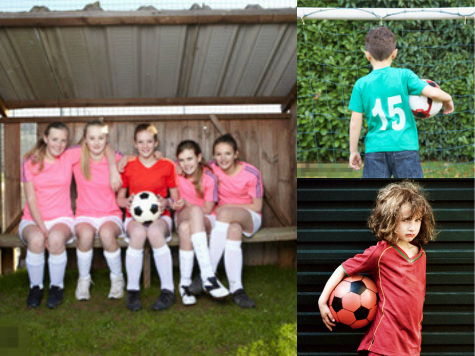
pixel 145 207
pixel 423 107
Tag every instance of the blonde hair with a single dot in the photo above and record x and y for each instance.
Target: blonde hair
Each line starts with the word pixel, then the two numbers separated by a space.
pixel 388 212
pixel 85 152
pixel 38 152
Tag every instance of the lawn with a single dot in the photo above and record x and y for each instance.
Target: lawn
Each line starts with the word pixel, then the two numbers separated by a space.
pixel 102 326
pixel 431 169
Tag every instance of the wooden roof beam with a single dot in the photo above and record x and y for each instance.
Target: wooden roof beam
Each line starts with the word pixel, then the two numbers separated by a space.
pixel 290 99
pixel 72 103
pixel 144 118
pixel 131 18
pixel 3 108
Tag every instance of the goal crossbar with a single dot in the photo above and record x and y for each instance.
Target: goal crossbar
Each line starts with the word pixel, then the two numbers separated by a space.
pixel 445 13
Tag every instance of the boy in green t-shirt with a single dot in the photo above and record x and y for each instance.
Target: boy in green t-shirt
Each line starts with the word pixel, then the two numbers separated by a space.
pixel 383 95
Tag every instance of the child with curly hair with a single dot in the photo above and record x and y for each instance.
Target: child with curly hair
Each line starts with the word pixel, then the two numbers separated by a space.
pixel 402 220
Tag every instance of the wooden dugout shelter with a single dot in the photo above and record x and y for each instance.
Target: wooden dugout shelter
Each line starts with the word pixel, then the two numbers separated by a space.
pixel 94 58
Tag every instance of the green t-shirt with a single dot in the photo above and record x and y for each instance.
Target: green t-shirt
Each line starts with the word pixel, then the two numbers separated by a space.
pixel 383 95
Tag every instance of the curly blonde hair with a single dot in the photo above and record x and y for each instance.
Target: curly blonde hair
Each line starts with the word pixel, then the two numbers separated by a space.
pixel 387 212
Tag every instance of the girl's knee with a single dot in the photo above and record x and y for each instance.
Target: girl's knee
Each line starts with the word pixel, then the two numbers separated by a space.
pixel 235 231
pixel 36 243
pixel 184 229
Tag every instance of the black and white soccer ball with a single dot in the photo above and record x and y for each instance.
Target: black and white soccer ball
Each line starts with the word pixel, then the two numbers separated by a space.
pixel 145 207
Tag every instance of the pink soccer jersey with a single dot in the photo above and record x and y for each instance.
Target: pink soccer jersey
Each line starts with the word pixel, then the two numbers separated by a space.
pixel 96 197
pixel 52 185
pixel 209 182
pixel 240 188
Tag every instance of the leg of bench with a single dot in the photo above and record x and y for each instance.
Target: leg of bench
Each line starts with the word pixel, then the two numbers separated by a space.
pixel 8 260
pixel 146 267
pixel 287 254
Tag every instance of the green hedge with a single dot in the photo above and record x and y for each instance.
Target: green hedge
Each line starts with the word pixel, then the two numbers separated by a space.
pixel 331 59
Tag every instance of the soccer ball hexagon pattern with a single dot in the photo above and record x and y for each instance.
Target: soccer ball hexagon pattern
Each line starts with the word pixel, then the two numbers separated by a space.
pixel 145 207
pixel 423 107
pixel 354 301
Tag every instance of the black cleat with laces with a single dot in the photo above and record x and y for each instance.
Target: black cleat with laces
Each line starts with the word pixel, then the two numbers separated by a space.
pixel 34 297
pixel 55 297
pixel 165 300
pixel 133 301
pixel 242 299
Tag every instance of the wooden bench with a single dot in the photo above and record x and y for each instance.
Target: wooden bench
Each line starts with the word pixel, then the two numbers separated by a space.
pixel 285 236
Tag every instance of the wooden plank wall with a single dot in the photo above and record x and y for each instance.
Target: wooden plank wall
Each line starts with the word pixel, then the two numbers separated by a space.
pixel 332 227
pixel 264 143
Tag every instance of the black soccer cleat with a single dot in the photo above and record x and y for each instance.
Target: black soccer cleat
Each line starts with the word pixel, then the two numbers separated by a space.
pixel 196 287
pixel 34 297
pixel 165 300
pixel 242 299
pixel 133 301
pixel 55 297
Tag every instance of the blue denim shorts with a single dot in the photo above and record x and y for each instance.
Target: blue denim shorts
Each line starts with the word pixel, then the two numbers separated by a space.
pixel 402 164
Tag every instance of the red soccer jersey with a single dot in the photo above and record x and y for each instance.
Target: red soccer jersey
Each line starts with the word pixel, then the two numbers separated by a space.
pixel 157 178
pixel 401 281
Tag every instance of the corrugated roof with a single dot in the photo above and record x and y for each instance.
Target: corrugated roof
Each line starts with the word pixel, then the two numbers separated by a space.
pixel 47 59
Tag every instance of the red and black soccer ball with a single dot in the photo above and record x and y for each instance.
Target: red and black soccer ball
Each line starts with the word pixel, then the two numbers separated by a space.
pixel 354 301
pixel 423 107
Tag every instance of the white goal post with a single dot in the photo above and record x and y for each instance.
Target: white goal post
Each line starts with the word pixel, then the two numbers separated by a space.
pixel 445 13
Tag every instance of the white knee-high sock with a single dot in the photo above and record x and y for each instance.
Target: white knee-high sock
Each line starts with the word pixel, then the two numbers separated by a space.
pixel 57 267
pixel 84 263
pixel 133 265
pixel 200 245
pixel 186 266
pixel 114 262
pixel 217 242
pixel 233 264
pixel 35 263
pixel 163 262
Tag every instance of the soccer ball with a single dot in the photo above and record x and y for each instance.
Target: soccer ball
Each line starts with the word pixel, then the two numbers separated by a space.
pixel 145 207
pixel 354 301
pixel 423 107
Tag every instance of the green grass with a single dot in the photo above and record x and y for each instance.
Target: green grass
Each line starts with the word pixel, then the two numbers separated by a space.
pixel 102 326
pixel 432 169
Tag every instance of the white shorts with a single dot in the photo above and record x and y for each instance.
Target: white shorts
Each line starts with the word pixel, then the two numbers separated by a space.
pixel 211 219
pixel 167 219
pixel 98 222
pixel 256 223
pixel 49 225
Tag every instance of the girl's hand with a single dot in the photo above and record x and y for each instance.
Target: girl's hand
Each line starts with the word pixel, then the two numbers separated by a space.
pixel 163 203
pixel 115 181
pixel 179 204
pixel 45 234
pixel 449 107
pixel 128 202
pixel 158 155
pixel 122 163
pixel 327 316
pixel 178 170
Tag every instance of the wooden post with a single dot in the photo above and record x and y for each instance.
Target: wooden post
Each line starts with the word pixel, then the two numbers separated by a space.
pixel 12 193
pixel 146 267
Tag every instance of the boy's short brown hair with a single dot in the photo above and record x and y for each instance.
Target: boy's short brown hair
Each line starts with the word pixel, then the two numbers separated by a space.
pixel 380 42
pixel 388 212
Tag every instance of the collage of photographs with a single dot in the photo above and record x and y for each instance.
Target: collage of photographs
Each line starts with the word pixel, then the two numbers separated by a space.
pixel 278 177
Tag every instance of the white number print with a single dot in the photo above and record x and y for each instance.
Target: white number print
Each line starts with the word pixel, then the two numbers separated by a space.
pixel 378 111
